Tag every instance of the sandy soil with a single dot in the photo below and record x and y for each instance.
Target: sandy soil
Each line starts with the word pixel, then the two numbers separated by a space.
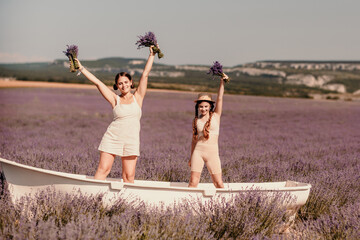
pixel 38 84
pixel 22 84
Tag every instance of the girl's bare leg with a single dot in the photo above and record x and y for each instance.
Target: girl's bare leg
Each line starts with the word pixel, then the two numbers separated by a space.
pixel 194 179
pixel 217 180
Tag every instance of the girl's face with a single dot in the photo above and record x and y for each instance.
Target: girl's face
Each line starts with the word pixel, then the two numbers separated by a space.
pixel 124 84
pixel 204 108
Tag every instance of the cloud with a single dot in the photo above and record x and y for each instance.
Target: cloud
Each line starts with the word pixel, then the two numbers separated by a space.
pixel 18 58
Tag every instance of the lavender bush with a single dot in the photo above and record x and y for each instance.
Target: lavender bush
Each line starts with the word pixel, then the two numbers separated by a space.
pixel 72 52
pixel 261 139
pixel 216 70
pixel 149 39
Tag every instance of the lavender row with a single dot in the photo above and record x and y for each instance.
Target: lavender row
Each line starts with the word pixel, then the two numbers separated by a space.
pixel 261 139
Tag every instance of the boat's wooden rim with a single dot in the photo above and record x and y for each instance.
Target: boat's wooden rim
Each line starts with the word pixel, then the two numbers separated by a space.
pixel 208 189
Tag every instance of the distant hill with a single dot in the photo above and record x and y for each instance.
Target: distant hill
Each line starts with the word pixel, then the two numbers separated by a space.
pixel 267 78
pixel 313 61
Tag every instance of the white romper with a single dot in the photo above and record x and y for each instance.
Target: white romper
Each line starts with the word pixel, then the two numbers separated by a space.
pixel 122 137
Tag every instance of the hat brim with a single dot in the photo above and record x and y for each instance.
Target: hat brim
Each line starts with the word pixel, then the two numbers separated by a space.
pixel 210 101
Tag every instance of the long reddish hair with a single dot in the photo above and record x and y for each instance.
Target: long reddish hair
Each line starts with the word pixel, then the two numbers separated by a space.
pixel 207 124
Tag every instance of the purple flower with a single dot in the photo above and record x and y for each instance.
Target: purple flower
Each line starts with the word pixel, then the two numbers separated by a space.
pixel 72 52
pixel 149 39
pixel 217 70
pixel 263 139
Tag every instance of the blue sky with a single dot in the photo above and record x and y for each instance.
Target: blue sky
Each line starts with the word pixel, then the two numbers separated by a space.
pixel 189 31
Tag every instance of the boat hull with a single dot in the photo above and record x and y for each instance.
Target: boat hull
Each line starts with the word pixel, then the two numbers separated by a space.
pixel 25 180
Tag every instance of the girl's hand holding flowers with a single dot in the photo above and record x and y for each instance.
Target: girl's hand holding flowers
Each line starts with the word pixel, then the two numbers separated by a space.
pixel 149 40
pixel 217 70
pixel 225 78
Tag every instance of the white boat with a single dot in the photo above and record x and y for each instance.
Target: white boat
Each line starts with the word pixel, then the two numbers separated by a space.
pixel 25 180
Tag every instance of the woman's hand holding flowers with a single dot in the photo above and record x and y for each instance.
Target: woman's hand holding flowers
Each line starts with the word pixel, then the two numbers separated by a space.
pixel 80 66
pixel 72 53
pixel 149 40
pixel 151 49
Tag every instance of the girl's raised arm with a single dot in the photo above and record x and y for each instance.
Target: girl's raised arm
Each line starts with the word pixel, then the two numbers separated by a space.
pixel 109 95
pixel 141 90
pixel 219 101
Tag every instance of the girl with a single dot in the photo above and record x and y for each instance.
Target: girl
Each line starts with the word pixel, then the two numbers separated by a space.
pixel 204 146
pixel 122 136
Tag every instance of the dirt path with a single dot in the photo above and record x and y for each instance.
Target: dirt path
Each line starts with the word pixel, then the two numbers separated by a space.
pixel 22 84
pixel 38 84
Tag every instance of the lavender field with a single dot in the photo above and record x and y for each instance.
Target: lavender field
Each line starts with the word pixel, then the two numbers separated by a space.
pixel 261 139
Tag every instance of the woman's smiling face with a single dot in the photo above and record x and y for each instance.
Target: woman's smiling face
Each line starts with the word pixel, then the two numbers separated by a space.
pixel 124 84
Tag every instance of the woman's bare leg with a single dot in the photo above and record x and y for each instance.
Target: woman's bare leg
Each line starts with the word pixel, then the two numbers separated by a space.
pixel 128 168
pixel 105 164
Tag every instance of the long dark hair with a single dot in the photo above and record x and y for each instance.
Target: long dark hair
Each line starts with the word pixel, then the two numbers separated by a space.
pixel 207 124
pixel 122 74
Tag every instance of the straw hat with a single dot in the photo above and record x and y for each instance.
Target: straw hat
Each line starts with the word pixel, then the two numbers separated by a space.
pixel 204 97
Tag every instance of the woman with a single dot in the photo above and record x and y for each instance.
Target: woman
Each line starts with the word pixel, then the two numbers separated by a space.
pixel 122 136
pixel 204 146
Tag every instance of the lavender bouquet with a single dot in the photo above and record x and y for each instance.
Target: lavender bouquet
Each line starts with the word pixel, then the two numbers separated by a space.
pixel 217 70
pixel 148 40
pixel 72 52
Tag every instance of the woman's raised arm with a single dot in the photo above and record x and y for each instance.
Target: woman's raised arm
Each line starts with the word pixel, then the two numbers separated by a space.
pixel 109 95
pixel 141 90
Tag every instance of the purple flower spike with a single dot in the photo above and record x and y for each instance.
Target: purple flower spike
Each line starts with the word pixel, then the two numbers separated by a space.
pixel 149 39
pixel 217 70
pixel 72 52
